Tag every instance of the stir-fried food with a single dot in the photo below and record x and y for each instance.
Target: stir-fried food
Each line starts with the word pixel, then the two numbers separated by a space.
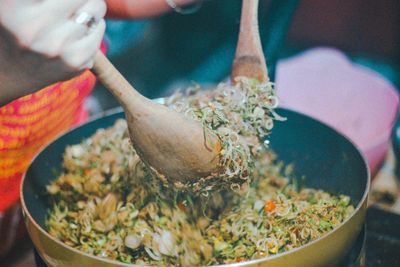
pixel 242 117
pixel 109 204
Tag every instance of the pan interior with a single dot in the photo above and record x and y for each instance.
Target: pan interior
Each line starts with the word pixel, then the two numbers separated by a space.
pixel 325 158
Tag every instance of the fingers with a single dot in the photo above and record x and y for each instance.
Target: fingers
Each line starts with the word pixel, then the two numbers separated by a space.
pixel 52 38
pixel 33 15
pixel 79 55
pixel 51 41
pixel 42 42
pixel 53 9
pixel 51 29
pixel 96 8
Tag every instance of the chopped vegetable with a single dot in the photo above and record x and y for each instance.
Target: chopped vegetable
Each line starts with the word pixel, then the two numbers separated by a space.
pixel 269 206
pixel 242 116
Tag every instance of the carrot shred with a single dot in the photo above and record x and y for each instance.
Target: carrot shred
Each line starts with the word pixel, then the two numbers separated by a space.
pixel 182 206
pixel 269 206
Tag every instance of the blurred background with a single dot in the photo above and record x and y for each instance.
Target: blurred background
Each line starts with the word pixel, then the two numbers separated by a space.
pixel 159 53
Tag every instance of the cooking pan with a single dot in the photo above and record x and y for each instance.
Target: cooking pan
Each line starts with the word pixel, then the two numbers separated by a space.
pixel 325 158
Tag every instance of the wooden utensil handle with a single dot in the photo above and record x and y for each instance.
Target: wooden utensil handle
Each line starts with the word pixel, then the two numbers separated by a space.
pixel 249 58
pixel 113 80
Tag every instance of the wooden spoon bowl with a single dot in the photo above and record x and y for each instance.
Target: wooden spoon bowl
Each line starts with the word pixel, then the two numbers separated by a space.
pixel 168 142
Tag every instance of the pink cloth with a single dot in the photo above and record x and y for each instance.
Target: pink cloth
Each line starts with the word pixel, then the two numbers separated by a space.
pixel 324 84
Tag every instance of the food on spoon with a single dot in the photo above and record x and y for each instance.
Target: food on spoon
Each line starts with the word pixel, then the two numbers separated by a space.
pixel 242 115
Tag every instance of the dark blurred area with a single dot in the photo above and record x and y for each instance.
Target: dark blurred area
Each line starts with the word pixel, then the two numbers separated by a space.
pixel 363 27
pixel 172 50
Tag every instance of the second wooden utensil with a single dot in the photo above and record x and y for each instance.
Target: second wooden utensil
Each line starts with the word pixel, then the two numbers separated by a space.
pixel 249 58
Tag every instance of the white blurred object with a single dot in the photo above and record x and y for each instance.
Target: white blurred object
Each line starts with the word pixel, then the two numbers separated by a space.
pixel 324 84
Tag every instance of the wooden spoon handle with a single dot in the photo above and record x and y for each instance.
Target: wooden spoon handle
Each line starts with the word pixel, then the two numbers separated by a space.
pixel 249 58
pixel 114 81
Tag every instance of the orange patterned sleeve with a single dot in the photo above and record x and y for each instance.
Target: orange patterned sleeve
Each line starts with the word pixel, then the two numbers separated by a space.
pixel 30 122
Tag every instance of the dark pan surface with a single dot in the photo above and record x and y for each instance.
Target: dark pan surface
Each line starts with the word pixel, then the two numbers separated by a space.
pixel 326 159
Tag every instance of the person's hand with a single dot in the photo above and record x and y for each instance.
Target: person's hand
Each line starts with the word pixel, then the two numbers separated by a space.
pixel 45 41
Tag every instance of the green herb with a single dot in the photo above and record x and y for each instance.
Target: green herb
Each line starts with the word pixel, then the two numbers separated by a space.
pixel 324 225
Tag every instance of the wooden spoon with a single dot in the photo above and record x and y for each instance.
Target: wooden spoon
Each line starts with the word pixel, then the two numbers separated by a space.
pixel 171 144
pixel 249 58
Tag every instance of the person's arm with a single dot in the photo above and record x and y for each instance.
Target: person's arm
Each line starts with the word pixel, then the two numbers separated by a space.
pixel 42 42
pixel 136 9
